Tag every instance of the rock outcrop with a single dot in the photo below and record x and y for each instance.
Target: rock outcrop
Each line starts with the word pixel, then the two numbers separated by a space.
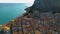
pixel 46 5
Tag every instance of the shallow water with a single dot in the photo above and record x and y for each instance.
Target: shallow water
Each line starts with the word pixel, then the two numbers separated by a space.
pixel 9 11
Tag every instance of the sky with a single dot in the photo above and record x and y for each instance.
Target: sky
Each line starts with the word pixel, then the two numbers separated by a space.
pixel 16 1
pixel 30 2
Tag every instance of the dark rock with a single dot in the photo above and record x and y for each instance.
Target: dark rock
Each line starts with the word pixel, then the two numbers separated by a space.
pixel 46 5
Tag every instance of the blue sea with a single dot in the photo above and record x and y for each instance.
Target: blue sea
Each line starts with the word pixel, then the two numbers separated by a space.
pixel 9 11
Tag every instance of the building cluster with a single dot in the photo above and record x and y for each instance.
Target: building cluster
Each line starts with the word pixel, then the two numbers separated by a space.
pixel 47 24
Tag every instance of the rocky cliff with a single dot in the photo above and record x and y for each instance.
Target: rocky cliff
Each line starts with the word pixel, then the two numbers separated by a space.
pixel 47 5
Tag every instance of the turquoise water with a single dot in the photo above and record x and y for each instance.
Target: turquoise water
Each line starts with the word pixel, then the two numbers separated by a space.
pixel 9 11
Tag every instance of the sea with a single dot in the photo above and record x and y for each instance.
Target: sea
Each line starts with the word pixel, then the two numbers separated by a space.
pixel 9 11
